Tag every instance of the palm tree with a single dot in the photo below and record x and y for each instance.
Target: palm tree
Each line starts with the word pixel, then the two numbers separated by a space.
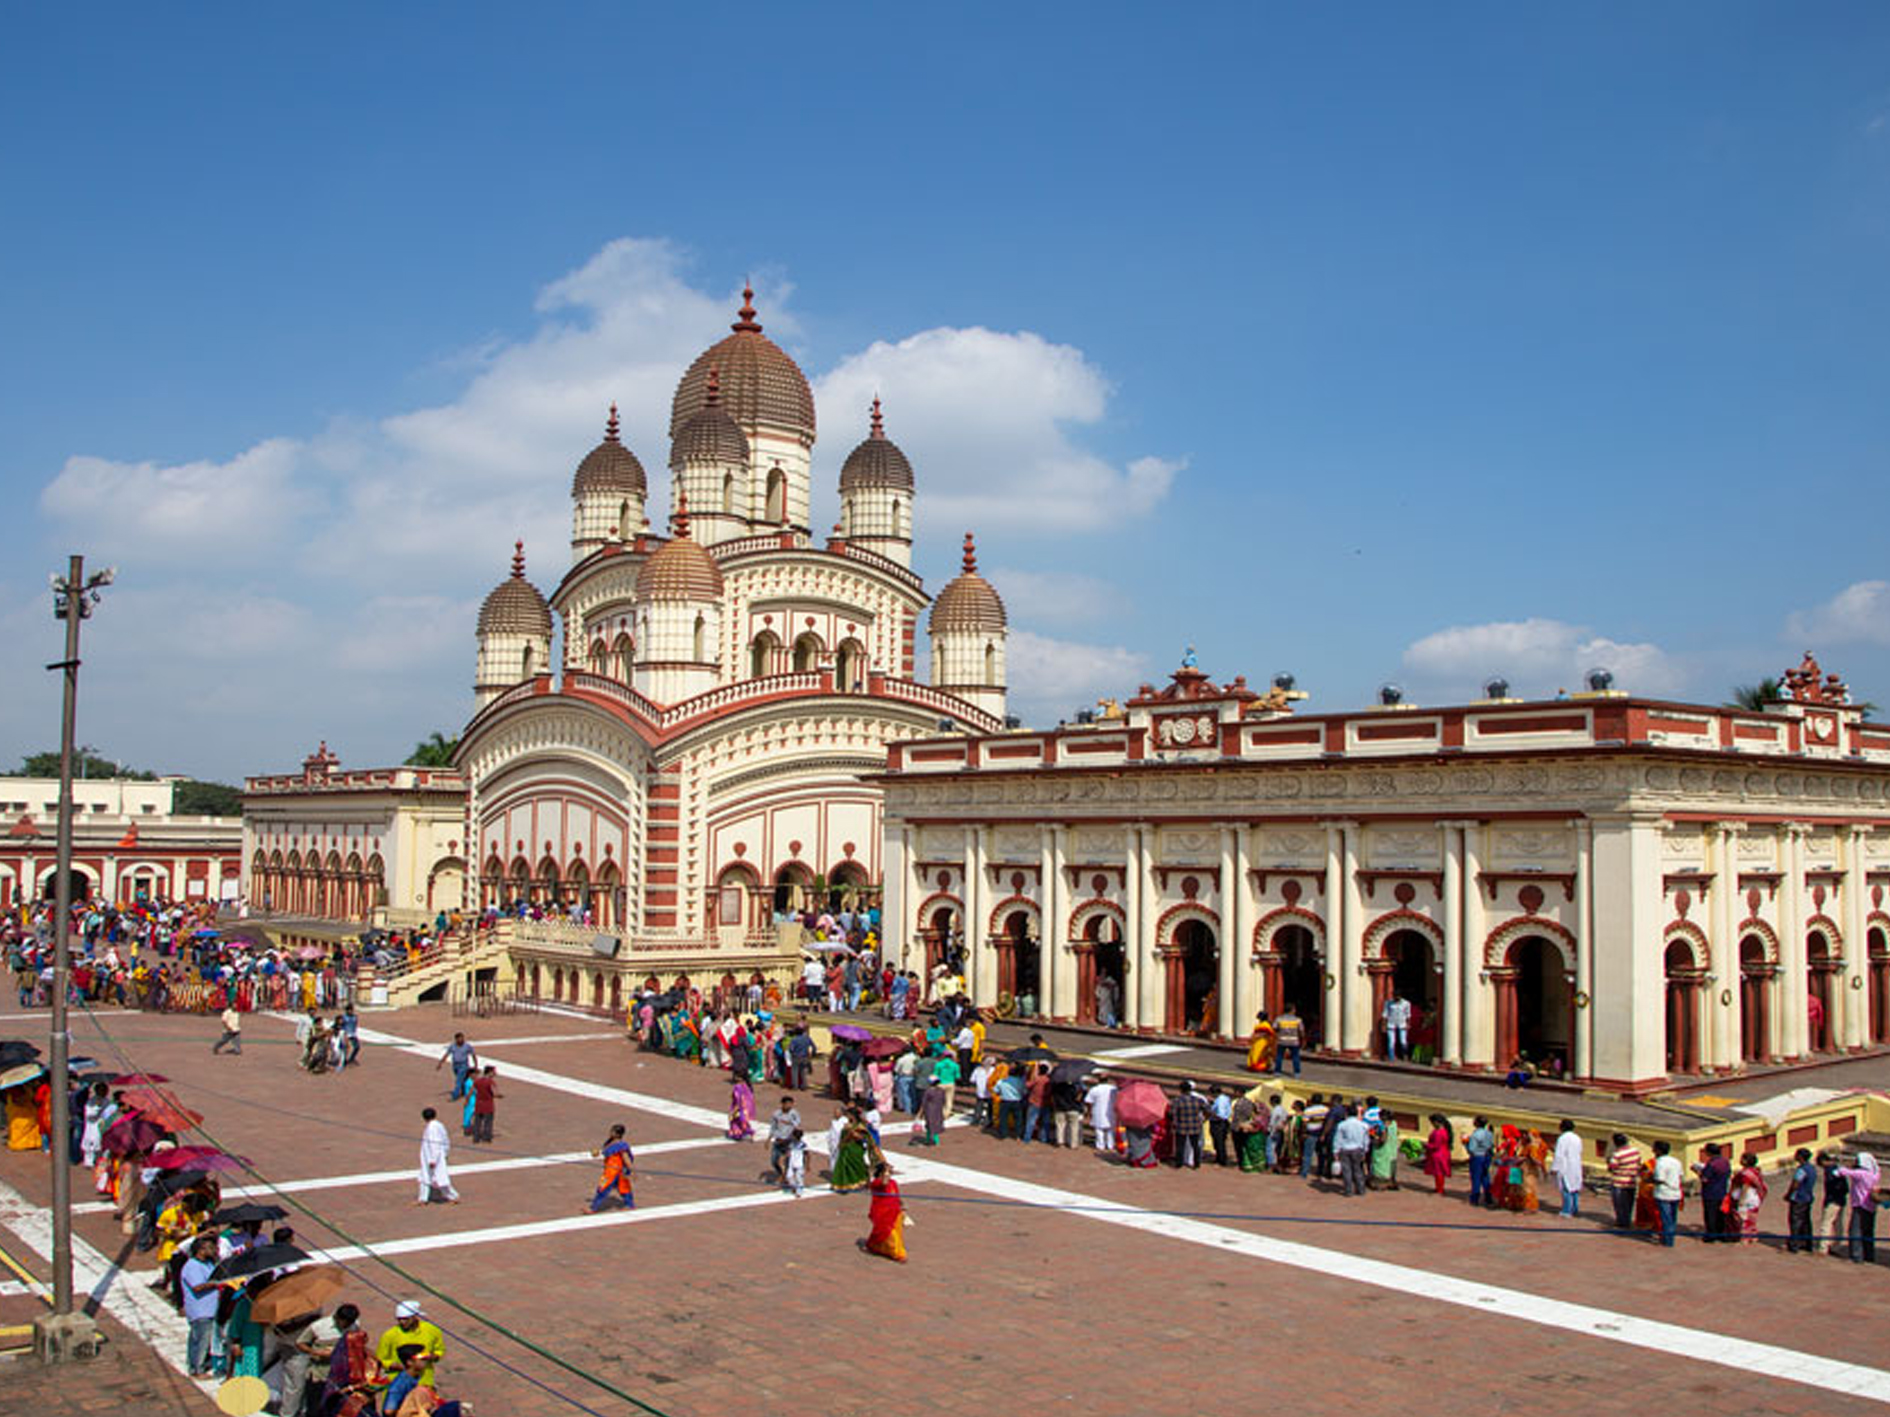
pixel 1756 697
pixel 436 751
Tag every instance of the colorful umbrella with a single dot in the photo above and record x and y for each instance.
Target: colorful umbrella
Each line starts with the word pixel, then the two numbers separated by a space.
pixel 197 1158
pixel 132 1133
pixel 1140 1103
pixel 884 1047
pixel 303 1291
pixel 156 1107
pixel 851 1032
pixel 137 1079
pixel 20 1073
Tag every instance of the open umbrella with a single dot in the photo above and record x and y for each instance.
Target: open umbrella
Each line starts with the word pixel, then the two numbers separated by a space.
pixel 1072 1070
pixel 198 1158
pixel 133 1133
pixel 1140 1103
pixel 20 1073
pixel 1030 1053
pixel 303 1292
pixel 829 947
pixel 883 1047
pixel 137 1079
pixel 14 1051
pixel 247 1211
pixel 851 1032
pixel 162 1109
pixel 257 1261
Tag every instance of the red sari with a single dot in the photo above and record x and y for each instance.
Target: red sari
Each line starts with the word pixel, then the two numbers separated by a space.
pixel 887 1214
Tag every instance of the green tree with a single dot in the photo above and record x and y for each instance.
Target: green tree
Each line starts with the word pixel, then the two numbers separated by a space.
pixel 435 751
pixel 86 763
pixel 191 798
pixel 1756 696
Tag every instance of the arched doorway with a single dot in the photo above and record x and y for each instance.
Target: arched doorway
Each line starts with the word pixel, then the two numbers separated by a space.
pixel 1020 963
pixel 1685 983
pixel 1821 986
pixel 1756 976
pixel 845 886
pixel 1409 972
pixel 608 896
pixel 1193 964
pixel 807 652
pixel 1302 980
pixel 1107 959
pixel 791 884
pixel 1879 960
pixel 1535 1006
pixel 941 938
pixel 764 653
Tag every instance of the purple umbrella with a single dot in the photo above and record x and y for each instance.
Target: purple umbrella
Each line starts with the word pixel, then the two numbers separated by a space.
pixel 852 1032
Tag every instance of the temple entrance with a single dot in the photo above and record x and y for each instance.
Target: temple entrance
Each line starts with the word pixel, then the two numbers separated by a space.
pixel 1198 961
pixel 1020 970
pixel 939 933
pixel 1535 1007
pixel 1878 949
pixel 1755 1000
pixel 1414 978
pixel 846 885
pixel 1821 967
pixel 1106 959
pixel 791 885
pixel 1302 980
pixel 1684 983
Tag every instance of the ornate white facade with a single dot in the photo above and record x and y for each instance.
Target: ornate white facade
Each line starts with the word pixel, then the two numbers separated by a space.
pixel 1635 888
pixel 695 756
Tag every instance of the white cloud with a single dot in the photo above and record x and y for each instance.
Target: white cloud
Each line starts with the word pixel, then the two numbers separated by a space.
pixel 1050 678
pixel 1538 656
pixel 985 417
pixel 1055 597
pixel 1858 614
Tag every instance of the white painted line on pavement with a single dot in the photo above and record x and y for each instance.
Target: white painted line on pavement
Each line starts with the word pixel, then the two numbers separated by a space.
pixel 1140 1050
pixel 617 1034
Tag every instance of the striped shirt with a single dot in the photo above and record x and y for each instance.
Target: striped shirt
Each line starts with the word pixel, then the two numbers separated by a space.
pixel 1624 1166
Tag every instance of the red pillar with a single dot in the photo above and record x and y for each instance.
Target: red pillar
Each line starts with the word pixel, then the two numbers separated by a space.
pixel 1085 982
pixel 1381 995
pixel 1174 995
pixel 1276 986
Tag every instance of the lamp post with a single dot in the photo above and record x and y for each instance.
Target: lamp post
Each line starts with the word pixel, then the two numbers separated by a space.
pixel 63 1335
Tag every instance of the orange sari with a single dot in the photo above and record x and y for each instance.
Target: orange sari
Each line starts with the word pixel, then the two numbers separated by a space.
pixel 887 1213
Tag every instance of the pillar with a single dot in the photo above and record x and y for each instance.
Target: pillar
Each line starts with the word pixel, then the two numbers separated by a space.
pixel 1583 1024
pixel 1149 970
pixel 1723 1001
pixel 1450 1019
pixel 1334 939
pixel 1629 971
pixel 1132 927
pixel 1059 962
pixel 1355 990
pixel 975 942
pixel 1478 1001
pixel 1230 1022
pixel 1792 1028
pixel 895 901
pixel 1238 924
pixel 1854 1009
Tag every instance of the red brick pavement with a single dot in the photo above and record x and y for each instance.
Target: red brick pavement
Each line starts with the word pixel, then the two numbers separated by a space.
pixel 773 1309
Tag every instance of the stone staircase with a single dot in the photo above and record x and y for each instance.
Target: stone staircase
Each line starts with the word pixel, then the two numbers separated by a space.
pixel 457 959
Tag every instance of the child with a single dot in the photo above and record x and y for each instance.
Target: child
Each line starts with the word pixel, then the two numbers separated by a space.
pixel 796 1175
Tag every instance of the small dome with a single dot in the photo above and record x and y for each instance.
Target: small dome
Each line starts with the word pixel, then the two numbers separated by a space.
pixel 680 569
pixel 877 462
pixel 710 435
pixel 969 601
pixel 515 607
pixel 610 466
pixel 760 383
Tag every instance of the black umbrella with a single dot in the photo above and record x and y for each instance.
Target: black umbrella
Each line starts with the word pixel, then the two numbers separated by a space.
pixel 1030 1053
pixel 246 1212
pixel 14 1051
pixel 1072 1070
pixel 256 1261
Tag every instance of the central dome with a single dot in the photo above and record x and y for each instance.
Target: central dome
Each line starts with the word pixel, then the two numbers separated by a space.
pixel 761 385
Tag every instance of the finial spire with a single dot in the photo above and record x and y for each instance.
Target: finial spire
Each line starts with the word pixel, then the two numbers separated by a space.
pixel 715 387
pixel 518 560
pixel 679 524
pixel 879 424
pixel 747 320
pixel 611 425
pixel 971 555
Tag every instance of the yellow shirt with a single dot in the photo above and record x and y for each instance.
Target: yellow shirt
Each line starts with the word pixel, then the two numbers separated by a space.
pixel 429 1337
pixel 977 1040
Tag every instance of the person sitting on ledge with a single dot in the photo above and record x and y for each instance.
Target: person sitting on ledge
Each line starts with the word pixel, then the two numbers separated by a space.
pixel 1521 1072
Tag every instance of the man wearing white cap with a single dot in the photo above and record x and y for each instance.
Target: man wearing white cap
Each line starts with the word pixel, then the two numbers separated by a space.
pixel 410 1327
pixel 434 1146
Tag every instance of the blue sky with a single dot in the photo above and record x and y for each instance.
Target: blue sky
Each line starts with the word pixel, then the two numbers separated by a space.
pixel 1374 343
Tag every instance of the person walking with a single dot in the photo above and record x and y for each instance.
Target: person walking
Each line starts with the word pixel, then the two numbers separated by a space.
pixel 614 1185
pixel 1437 1153
pixel 232 1033
pixel 1397 1020
pixel 1624 1179
pixel 435 1146
pixel 1186 1116
pixel 1669 1186
pixel 794 1170
pixel 1478 1148
pixel 464 1058
pixel 783 1127
pixel 1351 1138
pixel 486 1097
pixel 1567 1166
pixel 1288 1036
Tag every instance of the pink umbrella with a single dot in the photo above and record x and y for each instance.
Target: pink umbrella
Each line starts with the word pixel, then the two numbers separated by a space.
pixel 197 1158
pixel 1140 1103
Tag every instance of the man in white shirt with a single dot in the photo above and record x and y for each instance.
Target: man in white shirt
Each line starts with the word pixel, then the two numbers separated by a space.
pixel 1567 1166
pixel 1397 1026
pixel 232 1032
pixel 1668 1180
pixel 981 1085
pixel 1101 1101
pixel 435 1144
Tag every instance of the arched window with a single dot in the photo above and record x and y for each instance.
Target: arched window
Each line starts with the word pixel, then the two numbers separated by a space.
pixel 701 638
pixel 624 653
pixel 898 518
pixel 776 510
pixel 728 492
pixel 807 653
pixel 600 660
pixel 623 528
pixel 990 665
pixel 762 655
pixel 849 674
pixel 525 665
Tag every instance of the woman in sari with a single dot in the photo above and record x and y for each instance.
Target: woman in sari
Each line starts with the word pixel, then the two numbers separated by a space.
pixel 1141 1142
pixel 1506 1174
pixel 1384 1155
pixel 888 1216
pixel 351 1369
pixel 243 1336
pixel 1748 1194
pixel 741 1110
pixel 1437 1152
pixel 613 1187
pixel 1535 1165
pixel 1260 1048
pixel 856 1155
pixel 22 1121
pixel 1249 1121
pixel 1646 1213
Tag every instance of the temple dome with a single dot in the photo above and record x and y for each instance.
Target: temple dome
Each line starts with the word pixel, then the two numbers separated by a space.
pixel 514 606
pixel 680 569
pixel 610 467
pixel 761 385
pixel 876 462
pixel 968 601
pixel 710 435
